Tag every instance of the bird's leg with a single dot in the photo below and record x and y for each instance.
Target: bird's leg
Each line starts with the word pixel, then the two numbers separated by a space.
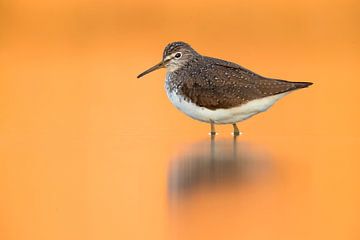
pixel 236 130
pixel 212 131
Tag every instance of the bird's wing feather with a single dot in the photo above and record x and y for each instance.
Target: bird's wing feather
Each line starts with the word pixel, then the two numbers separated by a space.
pixel 228 85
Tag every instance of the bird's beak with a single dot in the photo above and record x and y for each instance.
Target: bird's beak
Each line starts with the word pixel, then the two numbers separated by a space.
pixel 156 67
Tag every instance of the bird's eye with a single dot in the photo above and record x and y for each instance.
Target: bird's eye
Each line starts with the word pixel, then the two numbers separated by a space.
pixel 178 55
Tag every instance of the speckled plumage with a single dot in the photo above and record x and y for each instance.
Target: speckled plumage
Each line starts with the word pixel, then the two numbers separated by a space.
pixel 217 91
pixel 214 83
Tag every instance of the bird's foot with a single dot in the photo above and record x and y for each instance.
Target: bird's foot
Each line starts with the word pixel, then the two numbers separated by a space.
pixel 235 134
pixel 213 133
pixel 236 131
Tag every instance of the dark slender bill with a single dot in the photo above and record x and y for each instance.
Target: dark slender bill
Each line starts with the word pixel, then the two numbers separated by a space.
pixel 157 66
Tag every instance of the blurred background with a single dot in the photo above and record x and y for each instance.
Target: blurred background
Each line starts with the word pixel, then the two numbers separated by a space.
pixel 87 151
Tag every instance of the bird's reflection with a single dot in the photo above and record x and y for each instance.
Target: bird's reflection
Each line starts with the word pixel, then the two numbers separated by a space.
pixel 214 163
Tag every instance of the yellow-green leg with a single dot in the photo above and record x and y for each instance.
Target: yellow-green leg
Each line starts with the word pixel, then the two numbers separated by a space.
pixel 236 130
pixel 212 131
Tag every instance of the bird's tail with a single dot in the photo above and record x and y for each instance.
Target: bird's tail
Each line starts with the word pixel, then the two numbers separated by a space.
pixel 302 84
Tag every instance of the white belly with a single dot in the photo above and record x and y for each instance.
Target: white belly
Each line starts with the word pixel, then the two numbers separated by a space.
pixel 223 116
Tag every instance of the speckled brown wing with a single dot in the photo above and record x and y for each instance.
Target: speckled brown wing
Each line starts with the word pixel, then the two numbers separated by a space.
pixel 222 84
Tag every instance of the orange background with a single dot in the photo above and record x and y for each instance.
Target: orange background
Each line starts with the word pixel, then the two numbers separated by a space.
pixel 86 149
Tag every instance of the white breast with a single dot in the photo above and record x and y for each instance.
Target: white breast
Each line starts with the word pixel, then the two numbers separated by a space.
pixel 223 116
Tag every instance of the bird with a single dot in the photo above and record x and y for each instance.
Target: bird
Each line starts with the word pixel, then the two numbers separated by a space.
pixel 216 91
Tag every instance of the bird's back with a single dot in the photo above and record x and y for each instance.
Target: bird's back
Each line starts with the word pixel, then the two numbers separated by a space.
pixel 214 83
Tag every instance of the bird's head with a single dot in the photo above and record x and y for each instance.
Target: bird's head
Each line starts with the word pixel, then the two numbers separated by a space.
pixel 175 56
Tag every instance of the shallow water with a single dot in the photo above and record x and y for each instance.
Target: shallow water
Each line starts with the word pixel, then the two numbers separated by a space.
pixel 87 151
